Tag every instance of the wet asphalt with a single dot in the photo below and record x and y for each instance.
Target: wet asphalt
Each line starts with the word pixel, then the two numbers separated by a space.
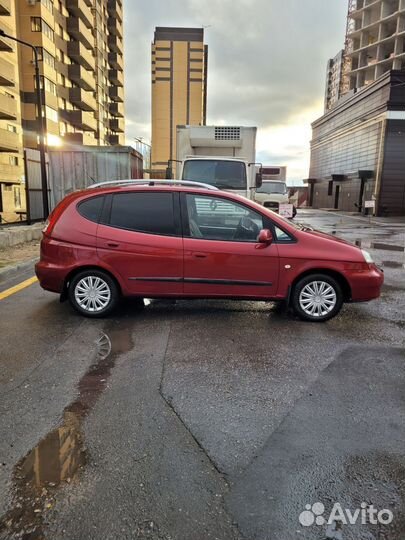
pixel 204 419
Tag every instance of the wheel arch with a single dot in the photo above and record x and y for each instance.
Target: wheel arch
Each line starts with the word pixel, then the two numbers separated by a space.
pixel 340 278
pixel 80 269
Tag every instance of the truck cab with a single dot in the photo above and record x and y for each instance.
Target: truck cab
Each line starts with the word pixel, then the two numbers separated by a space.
pixel 271 194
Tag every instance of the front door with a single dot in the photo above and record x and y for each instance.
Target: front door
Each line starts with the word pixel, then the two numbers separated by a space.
pixel 221 254
pixel 142 242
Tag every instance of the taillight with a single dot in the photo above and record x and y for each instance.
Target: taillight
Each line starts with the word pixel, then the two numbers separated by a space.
pixel 54 216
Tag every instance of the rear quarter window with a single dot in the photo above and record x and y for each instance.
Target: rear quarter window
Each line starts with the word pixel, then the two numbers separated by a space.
pixel 91 208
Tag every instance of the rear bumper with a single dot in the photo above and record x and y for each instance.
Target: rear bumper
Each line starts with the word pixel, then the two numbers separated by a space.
pixel 367 285
pixel 51 277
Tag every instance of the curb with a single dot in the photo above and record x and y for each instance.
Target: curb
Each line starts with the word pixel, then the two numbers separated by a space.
pixel 8 270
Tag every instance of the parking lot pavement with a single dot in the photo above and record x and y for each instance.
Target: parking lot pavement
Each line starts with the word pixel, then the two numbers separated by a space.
pixel 204 419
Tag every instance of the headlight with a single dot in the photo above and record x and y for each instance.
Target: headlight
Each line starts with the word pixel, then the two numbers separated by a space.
pixel 367 257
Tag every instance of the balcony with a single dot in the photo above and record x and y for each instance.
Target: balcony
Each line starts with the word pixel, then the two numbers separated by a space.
pixel 114 27
pixel 116 94
pixel 79 31
pixel 9 141
pixel 114 9
pixel 116 110
pixel 7 73
pixel 78 52
pixel 115 44
pixel 116 77
pixel 10 173
pixel 82 99
pixel 6 45
pixel 117 125
pixel 85 79
pixel 81 119
pixel 113 139
pixel 5 7
pixel 8 108
pixel 80 9
pixel 115 60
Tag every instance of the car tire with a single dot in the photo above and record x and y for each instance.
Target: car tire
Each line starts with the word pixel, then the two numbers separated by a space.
pixel 317 298
pixel 93 293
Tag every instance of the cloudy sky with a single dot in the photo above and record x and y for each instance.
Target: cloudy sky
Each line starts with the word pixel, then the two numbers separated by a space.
pixel 267 64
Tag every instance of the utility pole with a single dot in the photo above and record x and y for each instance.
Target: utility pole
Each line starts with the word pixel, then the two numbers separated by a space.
pixel 41 123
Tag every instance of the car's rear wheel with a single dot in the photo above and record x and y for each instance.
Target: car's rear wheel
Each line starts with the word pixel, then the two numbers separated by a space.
pixel 317 298
pixel 93 293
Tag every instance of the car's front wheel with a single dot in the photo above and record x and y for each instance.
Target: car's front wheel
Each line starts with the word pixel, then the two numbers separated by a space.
pixel 93 293
pixel 317 298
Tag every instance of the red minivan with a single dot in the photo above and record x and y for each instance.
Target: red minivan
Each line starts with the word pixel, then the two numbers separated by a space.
pixel 152 239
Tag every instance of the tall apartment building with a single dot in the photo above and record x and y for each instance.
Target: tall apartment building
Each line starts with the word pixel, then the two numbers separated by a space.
pixel 334 75
pixel 11 147
pixel 81 65
pixel 179 88
pixel 81 49
pixel 375 40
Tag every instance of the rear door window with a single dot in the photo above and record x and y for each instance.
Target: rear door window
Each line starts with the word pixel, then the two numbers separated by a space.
pixel 151 213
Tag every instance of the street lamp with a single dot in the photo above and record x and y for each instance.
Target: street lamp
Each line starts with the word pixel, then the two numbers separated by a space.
pixel 41 125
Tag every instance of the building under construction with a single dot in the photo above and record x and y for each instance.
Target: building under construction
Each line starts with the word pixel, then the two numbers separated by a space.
pixel 358 146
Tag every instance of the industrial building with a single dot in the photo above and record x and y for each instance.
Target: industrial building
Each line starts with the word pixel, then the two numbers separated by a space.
pixel 81 65
pixel 358 150
pixel 179 89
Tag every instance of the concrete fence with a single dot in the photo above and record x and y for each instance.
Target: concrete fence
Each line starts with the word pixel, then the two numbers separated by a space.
pixel 13 236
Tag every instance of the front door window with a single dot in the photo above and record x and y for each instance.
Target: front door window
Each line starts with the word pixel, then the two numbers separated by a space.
pixel 216 218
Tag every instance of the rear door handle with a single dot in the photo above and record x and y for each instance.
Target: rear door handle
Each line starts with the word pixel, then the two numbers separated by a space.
pixel 200 255
pixel 112 244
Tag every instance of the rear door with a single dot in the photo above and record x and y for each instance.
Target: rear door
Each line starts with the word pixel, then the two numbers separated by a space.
pixel 221 254
pixel 140 239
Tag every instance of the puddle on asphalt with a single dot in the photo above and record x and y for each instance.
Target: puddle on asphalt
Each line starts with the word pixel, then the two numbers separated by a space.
pixel 59 457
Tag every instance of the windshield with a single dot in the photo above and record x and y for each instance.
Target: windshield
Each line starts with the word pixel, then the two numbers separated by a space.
pixel 272 187
pixel 219 173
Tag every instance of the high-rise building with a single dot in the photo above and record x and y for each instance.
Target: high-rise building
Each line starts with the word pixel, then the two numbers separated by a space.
pixel 375 40
pixel 179 88
pixel 81 50
pixel 81 67
pixel 11 147
pixel 334 73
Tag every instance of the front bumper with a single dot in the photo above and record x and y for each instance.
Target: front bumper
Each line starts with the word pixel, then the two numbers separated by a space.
pixel 366 285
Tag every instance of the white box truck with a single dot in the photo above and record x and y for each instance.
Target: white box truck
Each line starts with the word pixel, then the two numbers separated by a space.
pixel 222 156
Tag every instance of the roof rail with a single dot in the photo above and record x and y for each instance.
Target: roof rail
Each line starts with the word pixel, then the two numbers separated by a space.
pixel 151 182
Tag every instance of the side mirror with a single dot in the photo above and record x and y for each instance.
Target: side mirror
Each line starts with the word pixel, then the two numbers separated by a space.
pixel 265 237
pixel 259 180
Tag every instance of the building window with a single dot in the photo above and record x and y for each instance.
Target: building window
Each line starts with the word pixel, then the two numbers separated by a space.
pixel 50 113
pixel 13 160
pixel 330 188
pixel 12 128
pixel 45 56
pixel 48 4
pixel 48 85
pixel 17 197
pixel 39 25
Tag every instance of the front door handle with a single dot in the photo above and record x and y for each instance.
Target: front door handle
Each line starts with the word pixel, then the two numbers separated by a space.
pixel 112 244
pixel 199 255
